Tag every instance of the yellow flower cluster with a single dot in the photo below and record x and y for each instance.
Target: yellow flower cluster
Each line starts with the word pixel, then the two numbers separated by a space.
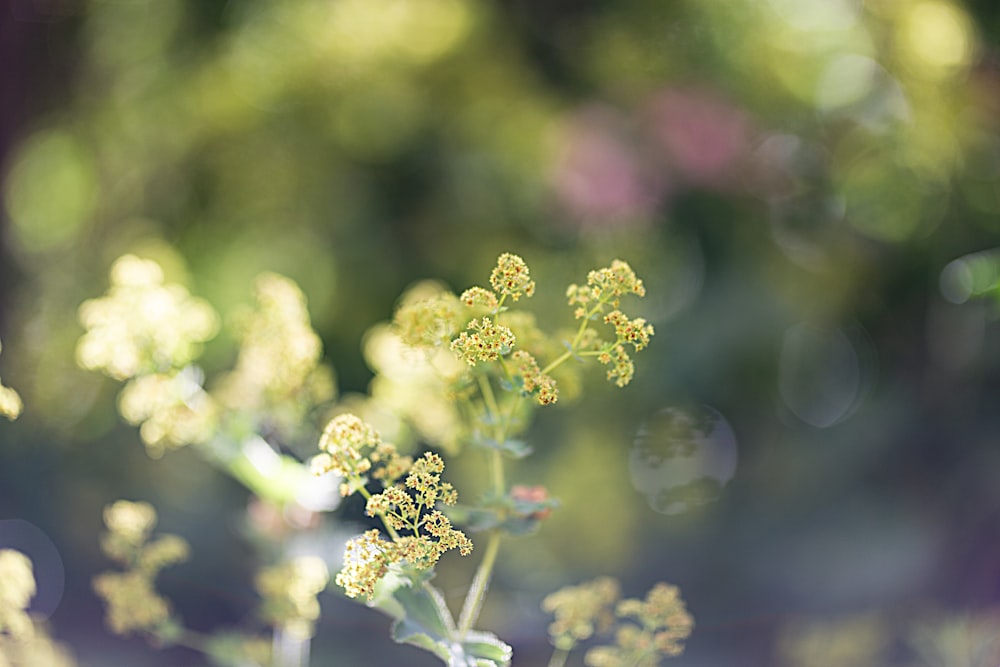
pixel 581 611
pixel 511 277
pixel 535 382
pixel 662 623
pixel 485 340
pixel 366 560
pixel 420 533
pixel 289 591
pixel 605 286
pixel 147 332
pixel 634 331
pixel 10 402
pixel 24 642
pixel 133 605
pixel 171 410
pixel 350 447
pixel 142 325
pixel 428 320
pixel 17 587
pixel 410 507
pixel 478 296
pixel 278 368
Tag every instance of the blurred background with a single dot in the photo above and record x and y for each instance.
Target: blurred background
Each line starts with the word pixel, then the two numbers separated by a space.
pixel 809 188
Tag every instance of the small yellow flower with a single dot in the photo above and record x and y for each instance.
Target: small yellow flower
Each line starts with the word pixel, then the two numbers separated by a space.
pixel 535 382
pixel 10 402
pixel 484 340
pixel 581 610
pixel 477 296
pixel 366 560
pixel 511 277
pixel 17 587
pixel 289 590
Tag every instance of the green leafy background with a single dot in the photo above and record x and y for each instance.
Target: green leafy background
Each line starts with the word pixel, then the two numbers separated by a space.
pixel 809 189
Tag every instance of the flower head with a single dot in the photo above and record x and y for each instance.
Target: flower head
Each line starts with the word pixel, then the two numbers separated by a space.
pixel 428 317
pixel 133 605
pixel 366 560
pixel 581 610
pixel 663 623
pixel 142 325
pixel 289 590
pixel 604 286
pixel 17 587
pixel 535 382
pixel 478 296
pixel 10 402
pixel 511 277
pixel 484 340
pixel 634 331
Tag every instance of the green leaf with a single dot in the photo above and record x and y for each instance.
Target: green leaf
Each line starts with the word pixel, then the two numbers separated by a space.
pixel 270 475
pixel 514 449
pixel 423 620
pixel 514 516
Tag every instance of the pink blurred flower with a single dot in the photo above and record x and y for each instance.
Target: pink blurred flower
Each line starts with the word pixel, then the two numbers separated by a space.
pixel 704 137
pixel 598 175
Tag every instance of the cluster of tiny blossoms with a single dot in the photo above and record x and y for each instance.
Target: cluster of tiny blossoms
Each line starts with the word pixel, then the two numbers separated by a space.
pixel 142 325
pixel 133 605
pixel 661 623
pixel 289 593
pixel 17 587
pixel 429 321
pixel 346 444
pixel 10 403
pixel 279 359
pixel 604 288
pixel 24 641
pixel 485 340
pixel 534 379
pixel 581 610
pixel 420 534
pixel 511 277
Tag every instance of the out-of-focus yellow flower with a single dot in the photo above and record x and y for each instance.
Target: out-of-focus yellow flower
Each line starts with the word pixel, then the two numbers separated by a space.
pixel 278 370
pixel 17 587
pixel 289 591
pixel 10 402
pixel 171 410
pixel 142 325
pixel 133 605
pixel 581 611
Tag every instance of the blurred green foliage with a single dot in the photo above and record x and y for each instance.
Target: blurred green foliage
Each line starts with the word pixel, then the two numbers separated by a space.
pixel 809 189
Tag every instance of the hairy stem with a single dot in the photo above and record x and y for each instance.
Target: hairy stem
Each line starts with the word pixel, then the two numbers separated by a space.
pixel 477 591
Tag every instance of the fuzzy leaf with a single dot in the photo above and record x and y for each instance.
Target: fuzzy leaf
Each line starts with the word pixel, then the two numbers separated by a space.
pixel 514 449
pixel 423 620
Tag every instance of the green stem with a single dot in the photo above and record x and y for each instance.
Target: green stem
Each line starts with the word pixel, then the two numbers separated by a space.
pixel 491 404
pixel 496 468
pixel 576 339
pixel 389 529
pixel 288 650
pixel 496 461
pixel 558 658
pixel 477 591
